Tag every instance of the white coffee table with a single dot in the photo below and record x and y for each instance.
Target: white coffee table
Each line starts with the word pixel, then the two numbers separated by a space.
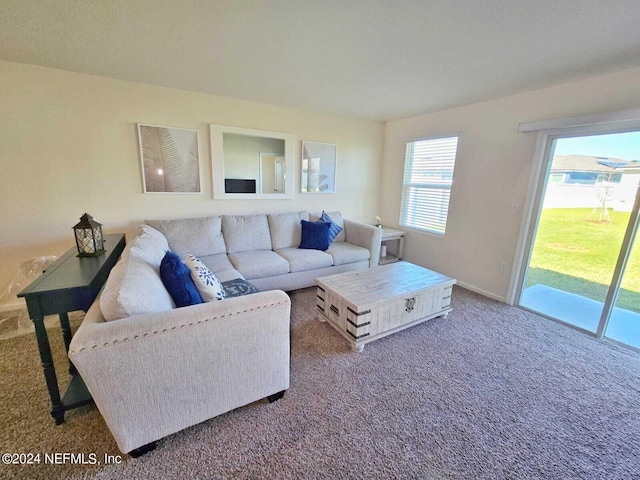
pixel 366 305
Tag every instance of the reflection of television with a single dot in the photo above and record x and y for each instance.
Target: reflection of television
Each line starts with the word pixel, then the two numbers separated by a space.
pixel 240 185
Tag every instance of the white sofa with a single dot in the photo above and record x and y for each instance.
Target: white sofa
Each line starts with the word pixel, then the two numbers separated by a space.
pixel 264 248
pixel 154 369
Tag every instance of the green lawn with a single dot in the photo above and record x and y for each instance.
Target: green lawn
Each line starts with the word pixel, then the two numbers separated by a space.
pixel 576 255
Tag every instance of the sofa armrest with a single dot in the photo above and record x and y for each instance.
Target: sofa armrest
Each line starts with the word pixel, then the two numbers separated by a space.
pixel 366 236
pixel 155 374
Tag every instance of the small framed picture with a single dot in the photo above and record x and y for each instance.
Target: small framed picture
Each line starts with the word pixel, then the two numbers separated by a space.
pixel 170 159
pixel 318 169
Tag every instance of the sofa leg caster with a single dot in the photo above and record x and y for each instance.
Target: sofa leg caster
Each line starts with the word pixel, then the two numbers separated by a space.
pixel 138 452
pixel 276 396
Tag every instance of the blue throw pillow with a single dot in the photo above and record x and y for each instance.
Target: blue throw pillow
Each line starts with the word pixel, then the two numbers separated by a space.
pixel 176 278
pixel 334 228
pixel 315 235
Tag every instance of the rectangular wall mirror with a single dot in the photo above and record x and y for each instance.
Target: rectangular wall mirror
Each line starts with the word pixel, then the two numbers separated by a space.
pixel 318 169
pixel 251 164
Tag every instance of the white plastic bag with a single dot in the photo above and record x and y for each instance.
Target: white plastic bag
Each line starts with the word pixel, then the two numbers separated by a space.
pixel 14 317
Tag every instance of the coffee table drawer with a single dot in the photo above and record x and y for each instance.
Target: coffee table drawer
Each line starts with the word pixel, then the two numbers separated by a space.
pixel 401 311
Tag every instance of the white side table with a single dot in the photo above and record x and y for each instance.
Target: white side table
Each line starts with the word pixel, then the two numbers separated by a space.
pixel 392 245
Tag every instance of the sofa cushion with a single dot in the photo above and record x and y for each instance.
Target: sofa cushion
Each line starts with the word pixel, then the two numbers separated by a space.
pixel 217 263
pixel 176 277
pixel 259 264
pixel 238 287
pixel 197 236
pixel 148 245
pixel 315 235
pixel 343 253
pixel 285 229
pixel 335 217
pixel 206 282
pixel 303 260
pixel 227 275
pixel 133 287
pixel 246 233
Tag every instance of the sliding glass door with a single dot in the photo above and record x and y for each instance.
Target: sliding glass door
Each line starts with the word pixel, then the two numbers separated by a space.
pixel 624 323
pixel 574 271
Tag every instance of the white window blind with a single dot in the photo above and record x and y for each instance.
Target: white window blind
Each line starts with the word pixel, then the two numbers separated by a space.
pixel 428 175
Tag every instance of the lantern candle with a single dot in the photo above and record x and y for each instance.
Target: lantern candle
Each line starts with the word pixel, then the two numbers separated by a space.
pixel 89 238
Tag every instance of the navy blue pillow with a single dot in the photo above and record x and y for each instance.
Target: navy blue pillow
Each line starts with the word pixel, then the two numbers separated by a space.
pixel 334 228
pixel 315 235
pixel 176 278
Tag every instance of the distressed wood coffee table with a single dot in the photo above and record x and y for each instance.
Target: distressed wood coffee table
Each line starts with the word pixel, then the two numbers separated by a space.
pixel 366 305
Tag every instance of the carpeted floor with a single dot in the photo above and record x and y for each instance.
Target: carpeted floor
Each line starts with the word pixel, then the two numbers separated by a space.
pixel 492 392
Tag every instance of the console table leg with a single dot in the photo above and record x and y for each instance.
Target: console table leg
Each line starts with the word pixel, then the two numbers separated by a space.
pixel 57 409
pixel 65 326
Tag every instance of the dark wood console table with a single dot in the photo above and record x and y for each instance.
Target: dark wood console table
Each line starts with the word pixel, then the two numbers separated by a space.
pixel 71 283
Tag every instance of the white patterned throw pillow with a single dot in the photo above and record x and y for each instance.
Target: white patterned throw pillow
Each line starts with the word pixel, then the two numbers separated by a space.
pixel 208 285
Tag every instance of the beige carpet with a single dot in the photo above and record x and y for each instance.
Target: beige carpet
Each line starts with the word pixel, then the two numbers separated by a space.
pixel 492 392
pixel 26 425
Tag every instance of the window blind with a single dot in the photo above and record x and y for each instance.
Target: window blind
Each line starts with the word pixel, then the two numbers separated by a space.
pixel 426 186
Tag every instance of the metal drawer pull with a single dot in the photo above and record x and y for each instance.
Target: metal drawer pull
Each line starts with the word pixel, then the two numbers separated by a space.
pixel 409 304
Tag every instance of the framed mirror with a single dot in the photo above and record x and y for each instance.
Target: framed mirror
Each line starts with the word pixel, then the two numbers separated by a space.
pixel 251 164
pixel 318 168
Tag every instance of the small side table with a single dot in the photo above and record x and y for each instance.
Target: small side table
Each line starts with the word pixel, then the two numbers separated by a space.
pixel 71 283
pixel 393 242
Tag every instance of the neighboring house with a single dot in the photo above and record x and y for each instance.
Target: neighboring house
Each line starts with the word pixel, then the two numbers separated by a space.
pixel 578 181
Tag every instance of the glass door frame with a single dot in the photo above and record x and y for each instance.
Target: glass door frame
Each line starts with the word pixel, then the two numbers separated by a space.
pixel 539 178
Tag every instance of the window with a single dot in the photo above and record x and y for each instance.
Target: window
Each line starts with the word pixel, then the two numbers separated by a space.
pixel 582 178
pixel 428 174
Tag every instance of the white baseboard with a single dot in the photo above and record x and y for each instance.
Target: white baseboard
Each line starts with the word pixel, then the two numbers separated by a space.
pixel 483 292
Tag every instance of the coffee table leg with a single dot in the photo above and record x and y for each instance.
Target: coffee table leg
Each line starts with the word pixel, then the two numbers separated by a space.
pixel 445 316
pixel 357 348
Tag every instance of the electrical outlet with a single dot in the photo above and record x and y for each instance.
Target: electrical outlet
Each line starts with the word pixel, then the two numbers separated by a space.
pixel 503 266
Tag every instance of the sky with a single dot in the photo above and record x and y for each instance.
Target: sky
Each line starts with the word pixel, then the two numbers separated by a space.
pixel 625 146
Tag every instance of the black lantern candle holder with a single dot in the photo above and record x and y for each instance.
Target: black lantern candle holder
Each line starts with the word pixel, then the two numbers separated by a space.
pixel 89 239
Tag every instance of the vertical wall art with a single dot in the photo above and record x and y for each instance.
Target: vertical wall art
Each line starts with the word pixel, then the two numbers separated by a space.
pixel 170 161
pixel 318 169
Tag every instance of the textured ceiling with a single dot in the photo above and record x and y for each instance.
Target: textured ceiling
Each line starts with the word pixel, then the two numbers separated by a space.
pixel 374 59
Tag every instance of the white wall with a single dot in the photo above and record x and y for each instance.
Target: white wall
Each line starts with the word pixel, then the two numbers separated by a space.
pixel 68 145
pixel 492 173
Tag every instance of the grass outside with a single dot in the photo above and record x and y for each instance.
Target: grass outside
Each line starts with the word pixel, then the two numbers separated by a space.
pixel 579 256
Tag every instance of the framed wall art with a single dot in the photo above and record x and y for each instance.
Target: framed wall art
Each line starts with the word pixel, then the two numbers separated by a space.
pixel 170 159
pixel 318 169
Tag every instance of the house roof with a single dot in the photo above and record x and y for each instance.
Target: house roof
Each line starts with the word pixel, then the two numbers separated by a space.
pixel 584 163
pixel 371 59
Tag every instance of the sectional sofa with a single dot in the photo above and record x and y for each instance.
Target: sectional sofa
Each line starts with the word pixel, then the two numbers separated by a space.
pixel 154 369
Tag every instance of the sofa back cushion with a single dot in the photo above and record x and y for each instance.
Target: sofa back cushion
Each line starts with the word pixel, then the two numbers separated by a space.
pixel 133 287
pixel 197 236
pixel 148 245
pixel 245 232
pixel 336 217
pixel 285 229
